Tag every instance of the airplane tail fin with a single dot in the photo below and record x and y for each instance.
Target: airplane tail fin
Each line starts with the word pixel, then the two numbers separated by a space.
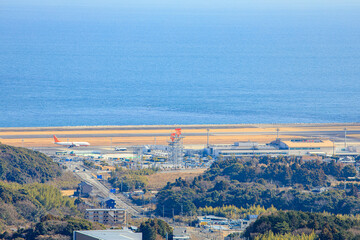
pixel 56 139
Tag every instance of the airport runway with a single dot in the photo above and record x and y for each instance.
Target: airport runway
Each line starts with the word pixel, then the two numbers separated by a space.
pixel 329 134
pixel 193 134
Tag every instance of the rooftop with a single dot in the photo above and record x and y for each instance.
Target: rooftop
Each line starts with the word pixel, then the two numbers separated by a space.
pixel 308 143
pixel 112 234
pixel 105 209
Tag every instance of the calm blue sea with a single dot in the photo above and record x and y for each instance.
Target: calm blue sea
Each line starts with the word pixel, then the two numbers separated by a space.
pixel 123 64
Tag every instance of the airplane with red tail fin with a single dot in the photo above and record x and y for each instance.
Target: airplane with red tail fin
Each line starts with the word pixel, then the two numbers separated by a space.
pixel 70 144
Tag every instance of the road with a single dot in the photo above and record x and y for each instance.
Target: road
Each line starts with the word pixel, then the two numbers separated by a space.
pixel 103 190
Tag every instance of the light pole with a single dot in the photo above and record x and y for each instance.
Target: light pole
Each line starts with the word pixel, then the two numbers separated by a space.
pixel 345 136
pixel 207 142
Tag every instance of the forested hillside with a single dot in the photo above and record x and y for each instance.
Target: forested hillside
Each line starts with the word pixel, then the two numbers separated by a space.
pixel 25 198
pixel 52 227
pixel 324 226
pixel 22 165
pixel 21 204
pixel 283 171
pixel 245 182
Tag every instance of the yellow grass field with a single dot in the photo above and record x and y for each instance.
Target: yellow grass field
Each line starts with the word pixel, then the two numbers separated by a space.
pixel 159 180
pixel 67 193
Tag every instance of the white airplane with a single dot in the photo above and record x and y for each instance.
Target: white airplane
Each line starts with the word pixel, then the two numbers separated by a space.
pixel 120 149
pixel 70 144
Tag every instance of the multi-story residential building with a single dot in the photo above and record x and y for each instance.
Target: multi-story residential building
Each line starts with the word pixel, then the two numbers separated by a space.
pixel 113 216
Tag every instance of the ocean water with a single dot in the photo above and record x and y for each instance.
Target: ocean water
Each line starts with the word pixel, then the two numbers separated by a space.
pixel 121 64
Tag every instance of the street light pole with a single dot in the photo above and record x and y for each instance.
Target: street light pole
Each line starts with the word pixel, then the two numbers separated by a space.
pixel 345 136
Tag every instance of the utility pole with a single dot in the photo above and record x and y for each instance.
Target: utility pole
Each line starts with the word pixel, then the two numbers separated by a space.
pixel 207 142
pixel 154 140
pixel 345 136
pixel 345 185
pixel 80 188
pixel 22 142
pixel 277 133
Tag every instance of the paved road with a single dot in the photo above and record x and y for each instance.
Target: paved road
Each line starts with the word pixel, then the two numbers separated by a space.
pixel 105 192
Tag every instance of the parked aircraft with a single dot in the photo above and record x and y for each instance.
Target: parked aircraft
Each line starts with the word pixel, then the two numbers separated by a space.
pixel 70 144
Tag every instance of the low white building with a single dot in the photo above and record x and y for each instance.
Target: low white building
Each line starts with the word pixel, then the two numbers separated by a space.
pixel 107 235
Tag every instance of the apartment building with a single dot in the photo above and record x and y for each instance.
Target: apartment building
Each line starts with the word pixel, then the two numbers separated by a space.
pixel 109 216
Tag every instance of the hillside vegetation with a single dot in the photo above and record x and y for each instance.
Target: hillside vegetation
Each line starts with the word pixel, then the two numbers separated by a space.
pixel 52 227
pixel 29 190
pixel 245 182
pixel 22 165
pixel 280 224
pixel 21 204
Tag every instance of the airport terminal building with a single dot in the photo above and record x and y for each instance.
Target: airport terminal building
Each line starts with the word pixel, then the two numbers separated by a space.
pixel 240 149
pixel 307 146
pixel 297 147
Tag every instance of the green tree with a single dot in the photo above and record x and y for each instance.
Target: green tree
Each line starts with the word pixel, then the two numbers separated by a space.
pixel 153 227
pixel 348 171
pixel 282 227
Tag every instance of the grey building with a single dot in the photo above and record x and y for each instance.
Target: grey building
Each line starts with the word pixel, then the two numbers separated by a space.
pixel 84 189
pixel 239 149
pixel 107 235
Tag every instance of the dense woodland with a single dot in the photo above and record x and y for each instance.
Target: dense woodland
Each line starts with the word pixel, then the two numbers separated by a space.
pixel 283 171
pixel 325 226
pixel 153 229
pixel 245 182
pixel 22 165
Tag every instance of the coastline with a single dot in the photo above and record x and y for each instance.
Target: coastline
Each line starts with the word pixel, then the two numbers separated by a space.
pixel 192 126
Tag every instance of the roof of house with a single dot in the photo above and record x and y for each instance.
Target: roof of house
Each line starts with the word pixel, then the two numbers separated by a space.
pixel 105 209
pixel 108 199
pixel 84 184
